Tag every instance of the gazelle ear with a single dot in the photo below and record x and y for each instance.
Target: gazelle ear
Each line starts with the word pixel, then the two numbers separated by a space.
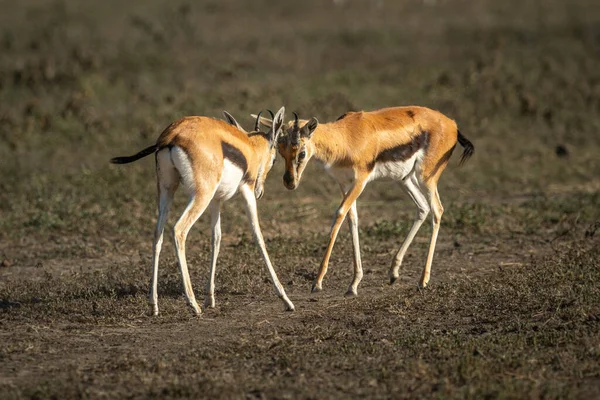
pixel 277 125
pixel 265 121
pixel 231 121
pixel 309 128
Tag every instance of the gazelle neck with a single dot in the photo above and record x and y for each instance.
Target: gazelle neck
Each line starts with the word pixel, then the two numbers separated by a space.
pixel 328 144
pixel 259 142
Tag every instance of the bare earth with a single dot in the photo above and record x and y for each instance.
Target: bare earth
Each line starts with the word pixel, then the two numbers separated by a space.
pixel 513 309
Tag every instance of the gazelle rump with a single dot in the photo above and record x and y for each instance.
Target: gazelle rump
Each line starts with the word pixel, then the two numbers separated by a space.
pixel 213 160
pixel 411 145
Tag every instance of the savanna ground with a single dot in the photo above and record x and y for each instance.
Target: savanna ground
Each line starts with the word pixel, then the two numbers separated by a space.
pixel 513 308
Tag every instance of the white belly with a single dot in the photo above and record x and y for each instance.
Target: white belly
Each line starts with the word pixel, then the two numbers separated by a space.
pixel 230 181
pixel 396 170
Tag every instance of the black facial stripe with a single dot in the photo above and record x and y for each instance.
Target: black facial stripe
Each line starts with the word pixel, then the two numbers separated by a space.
pixel 294 137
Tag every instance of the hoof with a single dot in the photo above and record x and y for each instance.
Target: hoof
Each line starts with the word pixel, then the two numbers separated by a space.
pixel 316 288
pixel 209 302
pixel 393 279
pixel 153 310
pixel 195 309
pixel 289 306
pixel 351 292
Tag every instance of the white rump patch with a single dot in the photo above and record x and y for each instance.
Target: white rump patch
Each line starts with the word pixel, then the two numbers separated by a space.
pixel 168 177
pixel 183 164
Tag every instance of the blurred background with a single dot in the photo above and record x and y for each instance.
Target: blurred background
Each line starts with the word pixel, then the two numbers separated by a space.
pixel 84 81
pixel 81 82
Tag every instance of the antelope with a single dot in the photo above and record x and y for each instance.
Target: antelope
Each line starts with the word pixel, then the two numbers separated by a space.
pixel 213 160
pixel 411 145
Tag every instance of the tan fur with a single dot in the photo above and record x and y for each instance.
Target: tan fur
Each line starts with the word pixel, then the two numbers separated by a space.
pixel 193 150
pixel 359 142
pixel 201 138
pixel 357 139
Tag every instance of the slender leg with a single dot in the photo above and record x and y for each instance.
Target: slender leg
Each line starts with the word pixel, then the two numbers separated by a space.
pixel 194 210
pixel 215 221
pixel 167 183
pixel 358 271
pixel 353 225
pixel 436 217
pixel 248 195
pixel 340 214
pixel 414 191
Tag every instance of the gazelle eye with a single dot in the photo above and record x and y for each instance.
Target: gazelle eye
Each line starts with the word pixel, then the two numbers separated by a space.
pixel 301 155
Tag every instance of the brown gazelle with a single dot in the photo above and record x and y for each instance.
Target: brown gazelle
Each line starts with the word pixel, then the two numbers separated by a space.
pixel 213 160
pixel 411 145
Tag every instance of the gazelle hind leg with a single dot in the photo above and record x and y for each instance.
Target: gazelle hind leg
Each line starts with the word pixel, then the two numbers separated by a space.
pixel 167 183
pixel 215 221
pixel 194 210
pixel 165 201
pixel 436 217
pixel 201 190
pixel 248 195
pixel 414 191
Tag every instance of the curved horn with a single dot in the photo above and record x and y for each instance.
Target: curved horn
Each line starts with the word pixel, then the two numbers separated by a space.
pixel 257 123
pixel 272 115
pixel 295 134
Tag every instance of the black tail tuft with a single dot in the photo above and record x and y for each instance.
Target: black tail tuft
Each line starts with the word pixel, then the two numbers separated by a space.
pixel 469 149
pixel 125 160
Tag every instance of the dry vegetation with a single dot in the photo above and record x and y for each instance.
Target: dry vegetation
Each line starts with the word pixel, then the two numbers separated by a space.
pixel 513 310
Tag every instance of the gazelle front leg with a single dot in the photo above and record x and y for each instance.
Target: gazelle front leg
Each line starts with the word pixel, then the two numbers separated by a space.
pixel 248 195
pixel 215 221
pixel 353 225
pixel 358 271
pixel 340 214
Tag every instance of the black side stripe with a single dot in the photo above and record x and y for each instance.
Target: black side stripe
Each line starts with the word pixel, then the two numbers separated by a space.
pixel 234 155
pixel 404 151
pixel 237 158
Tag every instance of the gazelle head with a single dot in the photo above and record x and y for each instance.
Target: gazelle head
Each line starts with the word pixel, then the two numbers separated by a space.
pixel 267 158
pixel 296 149
pixel 265 144
pixel 295 146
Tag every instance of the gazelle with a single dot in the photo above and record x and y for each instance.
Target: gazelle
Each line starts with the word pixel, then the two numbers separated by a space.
pixel 411 145
pixel 213 160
